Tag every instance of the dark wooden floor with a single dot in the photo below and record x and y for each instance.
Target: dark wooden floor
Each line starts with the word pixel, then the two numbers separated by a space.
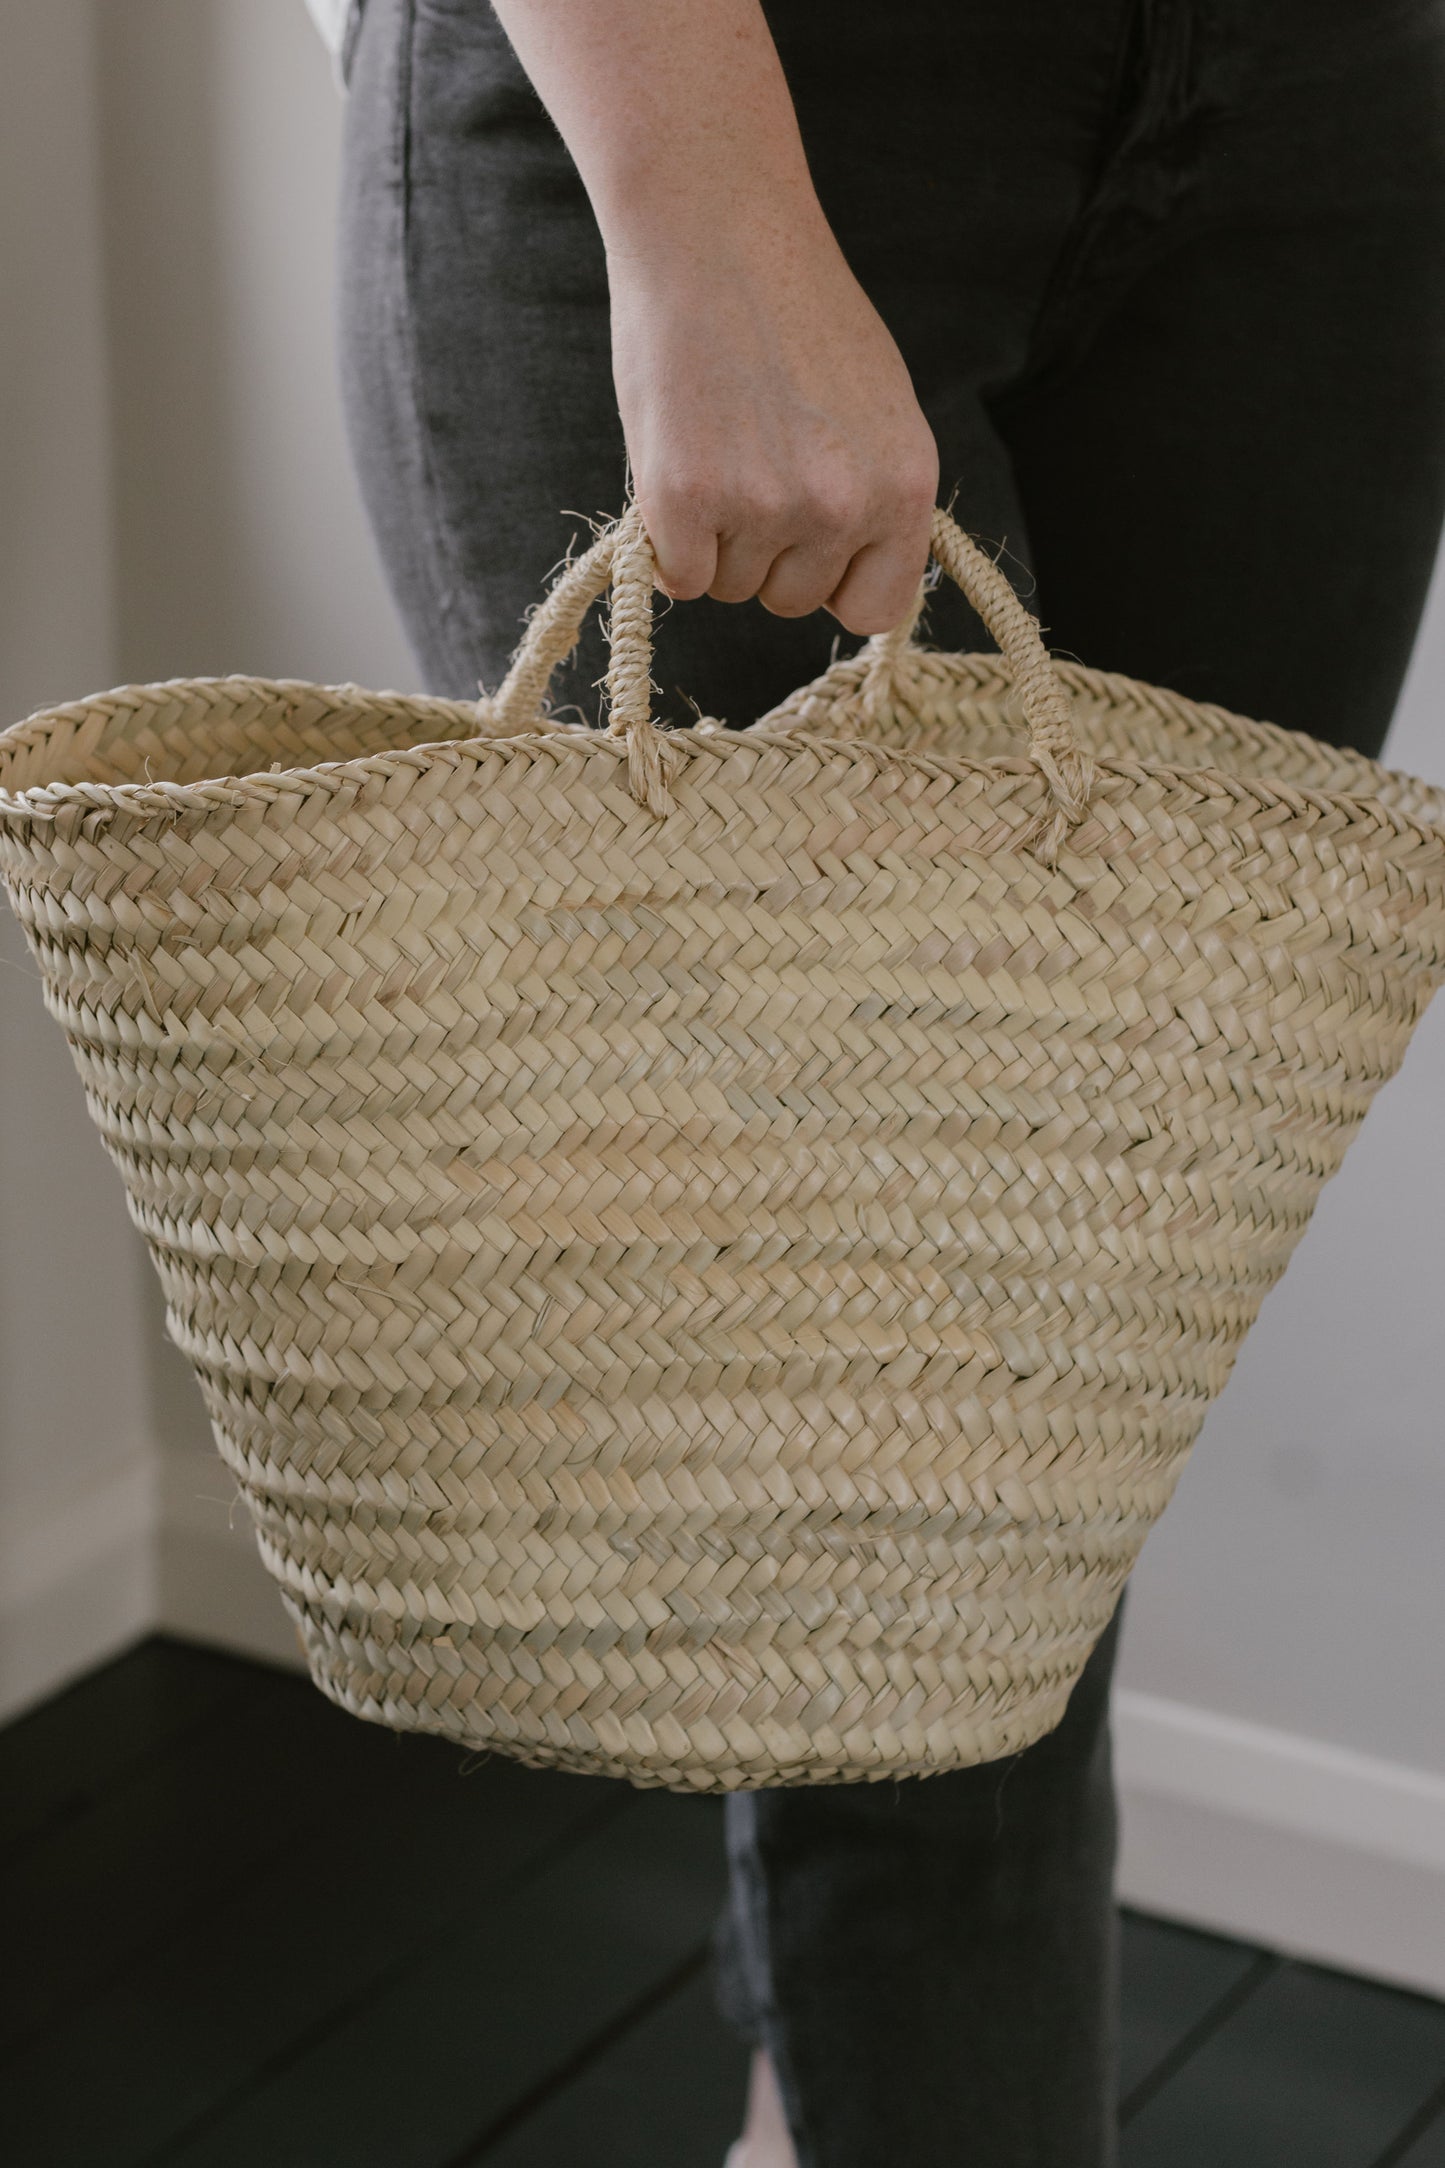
pixel 242 1930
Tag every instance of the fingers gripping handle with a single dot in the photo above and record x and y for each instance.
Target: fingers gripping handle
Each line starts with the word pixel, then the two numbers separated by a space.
pixel 622 559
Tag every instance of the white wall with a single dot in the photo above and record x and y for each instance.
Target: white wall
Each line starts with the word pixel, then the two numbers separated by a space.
pixel 1280 1718
pixel 178 500
pixel 243 542
pixel 76 1472
pixel 1296 1578
pixel 244 546
pixel 1295 1584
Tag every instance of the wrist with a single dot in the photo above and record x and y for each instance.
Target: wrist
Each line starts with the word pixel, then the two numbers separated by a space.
pixel 659 228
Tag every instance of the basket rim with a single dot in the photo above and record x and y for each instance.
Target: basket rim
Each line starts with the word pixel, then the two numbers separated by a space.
pixel 780 725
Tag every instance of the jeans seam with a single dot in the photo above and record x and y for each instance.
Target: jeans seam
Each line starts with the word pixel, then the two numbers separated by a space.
pixel 449 583
pixel 757 1891
pixel 1153 99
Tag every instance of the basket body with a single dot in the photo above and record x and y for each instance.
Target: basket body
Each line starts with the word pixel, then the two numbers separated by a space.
pixel 717 1301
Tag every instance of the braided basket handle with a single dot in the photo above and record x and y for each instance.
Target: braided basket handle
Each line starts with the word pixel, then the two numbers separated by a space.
pixel 622 558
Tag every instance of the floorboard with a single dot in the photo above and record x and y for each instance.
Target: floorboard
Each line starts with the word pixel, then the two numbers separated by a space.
pixel 670 2095
pixel 417 2074
pixel 87 1898
pixel 245 1930
pixel 1423 2144
pixel 302 1938
pixel 1173 1977
pixel 1314 2070
pixel 62 1757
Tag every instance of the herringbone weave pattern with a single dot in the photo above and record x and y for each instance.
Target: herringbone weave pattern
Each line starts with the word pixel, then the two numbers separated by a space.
pixel 705 1250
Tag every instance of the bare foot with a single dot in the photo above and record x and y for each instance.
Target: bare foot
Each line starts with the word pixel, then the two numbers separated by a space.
pixel 765 2142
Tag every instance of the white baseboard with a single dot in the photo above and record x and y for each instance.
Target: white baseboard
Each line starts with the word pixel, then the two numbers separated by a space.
pixel 1305 1847
pixel 77 1585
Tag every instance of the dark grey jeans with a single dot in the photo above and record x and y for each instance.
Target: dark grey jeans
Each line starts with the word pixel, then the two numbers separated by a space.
pixel 1167 277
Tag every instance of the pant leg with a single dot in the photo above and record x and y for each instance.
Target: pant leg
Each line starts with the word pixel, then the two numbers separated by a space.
pixel 1229 436
pixel 934 1964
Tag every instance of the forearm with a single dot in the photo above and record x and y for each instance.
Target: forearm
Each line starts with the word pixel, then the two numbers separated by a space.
pixel 775 444
pixel 677 115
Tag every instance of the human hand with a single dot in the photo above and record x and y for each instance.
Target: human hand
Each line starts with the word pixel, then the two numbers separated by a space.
pixel 776 443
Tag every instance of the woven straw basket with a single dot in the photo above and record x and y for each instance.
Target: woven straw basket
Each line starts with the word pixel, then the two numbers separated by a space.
pixel 706 1250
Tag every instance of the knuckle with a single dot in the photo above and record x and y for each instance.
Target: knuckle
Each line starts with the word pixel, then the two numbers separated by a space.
pixel 915 475
pixel 764 508
pixel 914 496
pixel 686 501
pixel 837 508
